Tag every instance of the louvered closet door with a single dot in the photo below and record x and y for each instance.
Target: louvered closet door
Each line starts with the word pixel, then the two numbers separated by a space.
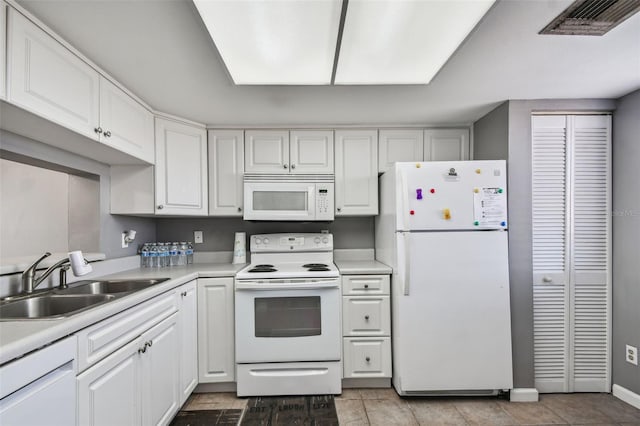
pixel 550 207
pixel 590 282
pixel 571 228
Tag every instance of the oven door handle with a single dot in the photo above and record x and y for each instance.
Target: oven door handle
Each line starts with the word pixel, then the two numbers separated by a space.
pixel 284 286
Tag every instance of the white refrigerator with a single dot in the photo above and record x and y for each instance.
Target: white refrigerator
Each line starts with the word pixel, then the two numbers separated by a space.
pixel 442 227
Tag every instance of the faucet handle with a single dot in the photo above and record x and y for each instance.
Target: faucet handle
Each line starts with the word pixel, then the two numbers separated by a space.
pixel 31 269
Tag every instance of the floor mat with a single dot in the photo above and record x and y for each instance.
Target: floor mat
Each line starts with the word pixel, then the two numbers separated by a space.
pixel 292 410
pixel 207 418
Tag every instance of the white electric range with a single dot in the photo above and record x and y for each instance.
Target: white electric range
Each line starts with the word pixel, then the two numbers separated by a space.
pixel 287 310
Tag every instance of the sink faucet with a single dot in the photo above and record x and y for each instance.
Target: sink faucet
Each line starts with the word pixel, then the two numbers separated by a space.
pixel 29 280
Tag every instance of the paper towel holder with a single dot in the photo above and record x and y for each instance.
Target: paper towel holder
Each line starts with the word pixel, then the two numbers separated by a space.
pixel 127 237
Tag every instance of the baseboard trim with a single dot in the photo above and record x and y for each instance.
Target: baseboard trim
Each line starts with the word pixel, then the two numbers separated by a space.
pixel 215 387
pixel 366 383
pixel 523 395
pixel 626 395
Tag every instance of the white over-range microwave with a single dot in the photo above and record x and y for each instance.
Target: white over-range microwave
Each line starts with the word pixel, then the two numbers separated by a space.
pixel 288 197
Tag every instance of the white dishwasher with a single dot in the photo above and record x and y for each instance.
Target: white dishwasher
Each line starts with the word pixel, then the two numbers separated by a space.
pixel 40 388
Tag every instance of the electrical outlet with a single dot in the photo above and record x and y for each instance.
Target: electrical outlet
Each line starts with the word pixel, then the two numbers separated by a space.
pixel 125 244
pixel 197 237
pixel 631 354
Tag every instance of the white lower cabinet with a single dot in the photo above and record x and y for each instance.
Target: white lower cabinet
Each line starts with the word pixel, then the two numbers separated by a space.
pixel 39 388
pixel 366 326
pixel 188 323
pixel 216 340
pixel 139 366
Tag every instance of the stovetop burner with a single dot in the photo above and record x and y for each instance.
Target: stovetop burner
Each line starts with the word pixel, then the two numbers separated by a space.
pixel 263 268
pixel 315 265
pixel 264 265
pixel 318 269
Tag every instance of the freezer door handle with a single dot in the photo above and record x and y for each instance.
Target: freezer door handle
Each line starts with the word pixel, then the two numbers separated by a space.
pixel 406 279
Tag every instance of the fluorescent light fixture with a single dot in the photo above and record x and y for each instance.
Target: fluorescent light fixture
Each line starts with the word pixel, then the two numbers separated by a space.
pixel 403 41
pixel 274 42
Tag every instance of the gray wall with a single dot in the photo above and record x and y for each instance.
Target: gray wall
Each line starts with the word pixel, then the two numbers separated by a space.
pixel 34 152
pixel 519 184
pixel 491 135
pixel 349 233
pixel 626 239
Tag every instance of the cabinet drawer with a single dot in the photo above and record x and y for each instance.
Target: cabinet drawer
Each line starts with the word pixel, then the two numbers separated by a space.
pixel 367 357
pixel 365 284
pixel 366 316
pixel 105 337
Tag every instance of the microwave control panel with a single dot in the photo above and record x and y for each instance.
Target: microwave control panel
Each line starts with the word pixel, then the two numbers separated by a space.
pixel 324 201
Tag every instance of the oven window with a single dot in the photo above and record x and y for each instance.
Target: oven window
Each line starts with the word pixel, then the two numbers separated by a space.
pixel 280 200
pixel 287 316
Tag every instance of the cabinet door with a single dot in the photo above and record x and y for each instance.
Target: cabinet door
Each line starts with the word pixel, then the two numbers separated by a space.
pixel 311 151
pixel 126 125
pixel 181 168
pixel 446 144
pixel 188 340
pixel 48 80
pixel 3 49
pixel 366 316
pixel 216 343
pixel 367 357
pixel 399 145
pixel 356 172
pixel 109 393
pixel 226 169
pixel 161 371
pixel 266 151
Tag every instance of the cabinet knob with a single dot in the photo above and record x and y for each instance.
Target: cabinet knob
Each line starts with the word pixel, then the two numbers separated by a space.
pixel 183 294
pixel 293 166
pixel 367 359
pixel 239 209
pixel 160 207
pixel 98 130
pixel 285 166
pixel 366 286
pixel 107 133
pixel 547 280
pixel 149 343
pixel 142 349
pixel 339 209
pixel 366 317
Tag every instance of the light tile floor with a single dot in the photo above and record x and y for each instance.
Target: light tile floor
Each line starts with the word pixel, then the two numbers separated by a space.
pixel 357 407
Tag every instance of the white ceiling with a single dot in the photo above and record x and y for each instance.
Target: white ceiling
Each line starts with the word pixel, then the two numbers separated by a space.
pixel 161 51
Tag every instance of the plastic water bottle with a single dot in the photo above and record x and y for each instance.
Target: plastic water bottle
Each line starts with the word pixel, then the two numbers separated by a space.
pixel 145 256
pixel 164 254
pixel 189 253
pixel 173 254
pixel 182 253
pixel 154 256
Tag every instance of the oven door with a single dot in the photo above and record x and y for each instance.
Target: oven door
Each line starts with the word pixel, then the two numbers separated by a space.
pixel 285 325
pixel 279 201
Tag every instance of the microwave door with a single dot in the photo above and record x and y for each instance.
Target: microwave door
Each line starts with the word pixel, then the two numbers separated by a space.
pixel 281 201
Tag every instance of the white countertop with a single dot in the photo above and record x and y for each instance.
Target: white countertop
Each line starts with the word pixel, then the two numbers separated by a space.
pixel 355 267
pixel 20 337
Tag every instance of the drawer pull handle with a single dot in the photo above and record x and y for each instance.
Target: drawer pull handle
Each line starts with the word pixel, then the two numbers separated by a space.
pixel 366 286
pixel 98 130
pixel 367 359
pixel 183 294
pixel 366 317
pixel 142 349
pixel 149 343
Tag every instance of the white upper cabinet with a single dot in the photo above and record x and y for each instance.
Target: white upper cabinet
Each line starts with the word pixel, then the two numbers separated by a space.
pixel 295 152
pixel 356 172
pixel 399 145
pixel 181 169
pixel 311 151
pixel 124 123
pixel 446 144
pixel 47 79
pixel 226 169
pixel 267 151
pixel 3 49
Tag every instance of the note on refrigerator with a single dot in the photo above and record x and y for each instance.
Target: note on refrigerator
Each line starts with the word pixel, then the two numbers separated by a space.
pixel 490 207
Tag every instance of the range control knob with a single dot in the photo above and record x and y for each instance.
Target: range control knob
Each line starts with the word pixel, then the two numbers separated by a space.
pixel 325 240
pixel 266 241
pixel 316 240
pixel 258 241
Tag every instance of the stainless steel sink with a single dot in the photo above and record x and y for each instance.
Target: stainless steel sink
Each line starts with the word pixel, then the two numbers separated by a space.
pixel 80 296
pixel 51 306
pixel 111 286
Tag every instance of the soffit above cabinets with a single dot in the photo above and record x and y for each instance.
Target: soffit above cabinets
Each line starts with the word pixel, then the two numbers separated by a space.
pixel 366 42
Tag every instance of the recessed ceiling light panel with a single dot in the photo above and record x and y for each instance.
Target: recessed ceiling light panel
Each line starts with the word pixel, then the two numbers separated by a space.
pixel 403 41
pixel 274 42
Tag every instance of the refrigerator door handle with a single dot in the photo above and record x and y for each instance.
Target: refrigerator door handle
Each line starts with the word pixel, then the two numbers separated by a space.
pixel 406 279
pixel 405 198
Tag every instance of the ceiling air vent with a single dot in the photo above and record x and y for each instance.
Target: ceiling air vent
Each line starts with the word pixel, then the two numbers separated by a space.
pixel 592 17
